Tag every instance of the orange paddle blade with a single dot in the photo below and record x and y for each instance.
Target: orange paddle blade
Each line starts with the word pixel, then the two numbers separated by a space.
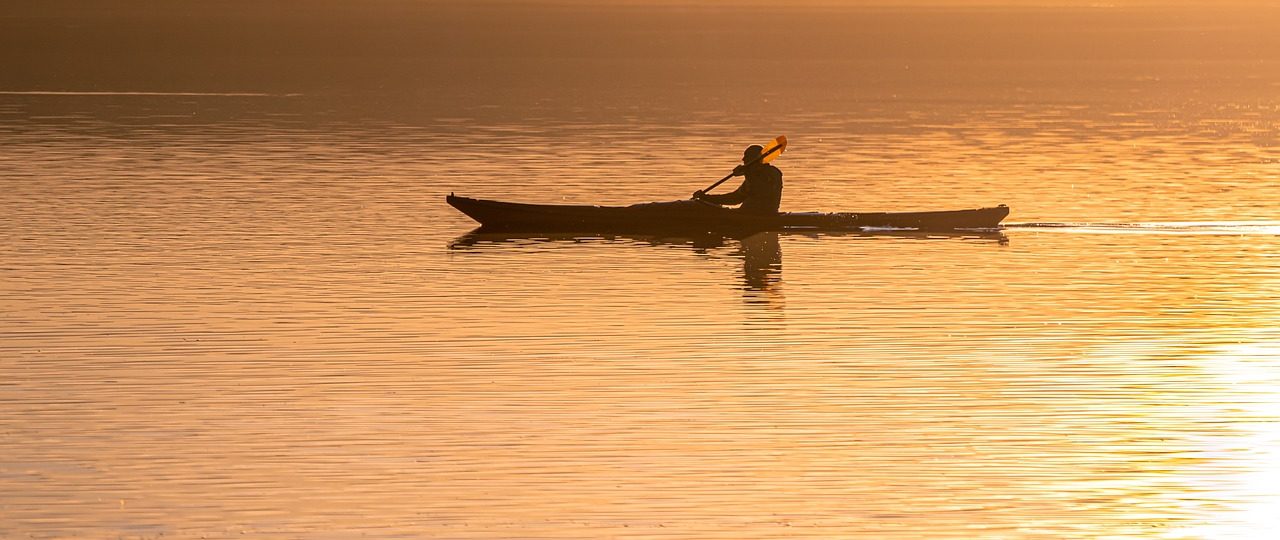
pixel 779 143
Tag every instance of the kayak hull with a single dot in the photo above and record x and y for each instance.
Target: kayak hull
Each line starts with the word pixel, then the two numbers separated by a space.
pixel 696 216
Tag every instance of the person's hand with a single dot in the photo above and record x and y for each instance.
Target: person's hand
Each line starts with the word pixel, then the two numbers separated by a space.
pixel 697 195
pixel 740 170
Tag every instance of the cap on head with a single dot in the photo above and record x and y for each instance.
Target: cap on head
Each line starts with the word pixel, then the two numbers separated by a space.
pixel 752 152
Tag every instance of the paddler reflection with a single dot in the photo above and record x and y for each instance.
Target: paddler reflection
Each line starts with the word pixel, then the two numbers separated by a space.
pixel 762 268
pixel 761 255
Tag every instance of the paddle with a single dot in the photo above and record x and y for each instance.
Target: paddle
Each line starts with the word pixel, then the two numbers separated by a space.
pixel 778 146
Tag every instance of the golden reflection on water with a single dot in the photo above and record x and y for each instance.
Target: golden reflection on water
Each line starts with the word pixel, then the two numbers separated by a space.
pixel 285 332
pixel 1249 482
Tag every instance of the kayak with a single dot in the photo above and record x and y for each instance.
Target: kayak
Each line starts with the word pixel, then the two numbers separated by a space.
pixel 699 216
pixel 486 239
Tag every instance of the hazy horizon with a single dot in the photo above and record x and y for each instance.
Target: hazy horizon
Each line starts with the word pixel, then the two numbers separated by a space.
pixel 495 49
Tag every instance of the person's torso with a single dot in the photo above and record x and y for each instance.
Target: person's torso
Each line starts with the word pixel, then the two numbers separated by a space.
pixel 764 189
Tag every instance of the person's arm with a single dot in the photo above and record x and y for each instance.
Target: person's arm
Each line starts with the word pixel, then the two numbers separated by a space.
pixel 737 196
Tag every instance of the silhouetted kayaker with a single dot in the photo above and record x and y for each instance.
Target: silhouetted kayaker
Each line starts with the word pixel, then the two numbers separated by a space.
pixel 760 192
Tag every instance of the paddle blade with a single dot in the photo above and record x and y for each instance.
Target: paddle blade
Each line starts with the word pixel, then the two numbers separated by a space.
pixel 779 143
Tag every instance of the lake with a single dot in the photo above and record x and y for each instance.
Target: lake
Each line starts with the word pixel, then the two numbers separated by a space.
pixel 248 312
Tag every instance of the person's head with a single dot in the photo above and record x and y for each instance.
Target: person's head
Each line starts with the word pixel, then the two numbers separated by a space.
pixel 752 152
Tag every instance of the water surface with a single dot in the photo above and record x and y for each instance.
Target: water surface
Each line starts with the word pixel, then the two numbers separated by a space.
pixel 231 312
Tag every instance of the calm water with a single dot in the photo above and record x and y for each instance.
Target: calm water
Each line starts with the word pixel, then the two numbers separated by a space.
pixel 254 316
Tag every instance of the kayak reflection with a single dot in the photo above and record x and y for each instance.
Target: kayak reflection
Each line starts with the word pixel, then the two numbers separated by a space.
pixel 761 253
